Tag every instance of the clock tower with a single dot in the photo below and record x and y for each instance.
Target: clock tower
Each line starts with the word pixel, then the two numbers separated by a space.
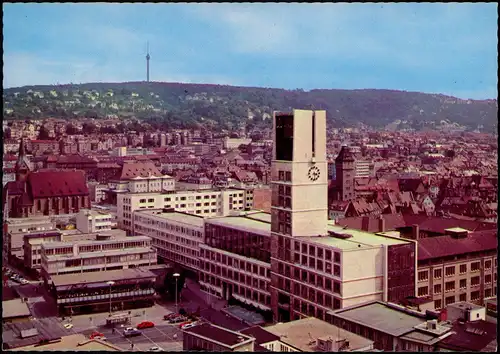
pixel 299 174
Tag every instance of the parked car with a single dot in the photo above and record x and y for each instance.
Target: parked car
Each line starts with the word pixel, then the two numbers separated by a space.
pixel 145 324
pixel 131 332
pixel 177 319
pixel 185 323
pixel 156 349
pixel 97 335
pixel 189 325
pixel 170 316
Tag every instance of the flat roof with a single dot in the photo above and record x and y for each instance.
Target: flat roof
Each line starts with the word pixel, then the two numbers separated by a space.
pixel 261 223
pixel 242 223
pixel 183 218
pixel 73 342
pixel 457 229
pixel 15 308
pixel 46 328
pixel 103 276
pixel 302 334
pixel 220 335
pixel 381 317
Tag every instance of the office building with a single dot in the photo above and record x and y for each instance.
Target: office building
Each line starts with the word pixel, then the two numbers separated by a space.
pixel 175 236
pixel 308 262
pixel 96 253
pixel 206 203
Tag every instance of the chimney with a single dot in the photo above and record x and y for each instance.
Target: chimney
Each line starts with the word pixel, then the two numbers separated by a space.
pixel 415 232
pixel 381 224
pixel 365 223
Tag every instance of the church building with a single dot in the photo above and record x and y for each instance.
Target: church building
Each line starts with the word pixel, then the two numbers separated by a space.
pixel 44 192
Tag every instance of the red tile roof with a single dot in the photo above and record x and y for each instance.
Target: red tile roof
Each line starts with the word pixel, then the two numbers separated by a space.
pixel 57 183
pixel 442 246
pixel 139 169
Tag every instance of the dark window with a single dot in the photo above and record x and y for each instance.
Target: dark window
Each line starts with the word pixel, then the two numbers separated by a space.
pixel 284 137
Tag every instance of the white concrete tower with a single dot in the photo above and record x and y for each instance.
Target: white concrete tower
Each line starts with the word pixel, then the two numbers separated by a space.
pixel 299 174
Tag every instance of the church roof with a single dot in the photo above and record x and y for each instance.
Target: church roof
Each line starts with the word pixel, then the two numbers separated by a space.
pixel 62 183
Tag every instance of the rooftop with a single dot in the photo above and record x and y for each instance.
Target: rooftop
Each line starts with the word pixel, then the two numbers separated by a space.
pixel 45 328
pixel 242 223
pixel 472 336
pixel 73 342
pixel 15 308
pixel 104 276
pixel 380 316
pixel 183 218
pixel 220 335
pixel 302 334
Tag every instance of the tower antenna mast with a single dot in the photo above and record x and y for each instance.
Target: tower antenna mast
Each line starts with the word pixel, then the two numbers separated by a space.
pixel 147 62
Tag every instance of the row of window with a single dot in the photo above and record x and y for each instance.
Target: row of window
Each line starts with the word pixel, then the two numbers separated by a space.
pixel 248 292
pixel 210 257
pixel 450 286
pixel 450 270
pixel 474 296
pixel 175 256
pixel 311 278
pixel 168 226
pixel 216 272
pixel 305 248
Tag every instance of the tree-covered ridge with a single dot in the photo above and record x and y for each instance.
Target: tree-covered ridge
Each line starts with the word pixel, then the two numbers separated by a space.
pixel 190 104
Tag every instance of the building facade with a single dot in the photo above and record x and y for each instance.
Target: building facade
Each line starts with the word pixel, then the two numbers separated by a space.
pixel 175 236
pixel 202 203
pixel 458 268
pixel 99 253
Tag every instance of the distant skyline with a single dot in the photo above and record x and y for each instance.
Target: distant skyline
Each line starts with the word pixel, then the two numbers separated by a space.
pixel 448 48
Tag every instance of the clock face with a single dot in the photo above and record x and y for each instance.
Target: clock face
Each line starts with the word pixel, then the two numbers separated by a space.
pixel 313 173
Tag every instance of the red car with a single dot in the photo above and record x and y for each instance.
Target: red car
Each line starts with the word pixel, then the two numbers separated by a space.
pixel 145 324
pixel 170 316
pixel 96 335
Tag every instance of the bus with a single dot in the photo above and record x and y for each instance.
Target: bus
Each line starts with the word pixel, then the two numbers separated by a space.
pixel 119 318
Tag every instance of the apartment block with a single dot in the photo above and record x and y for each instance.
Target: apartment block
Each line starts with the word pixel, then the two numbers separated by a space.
pixel 363 169
pixel 206 203
pixel 459 267
pixel 16 228
pixel 175 236
pixel 32 246
pixel 99 252
pixel 88 221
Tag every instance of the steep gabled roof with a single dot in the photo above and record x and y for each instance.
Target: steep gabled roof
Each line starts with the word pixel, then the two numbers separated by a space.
pixel 57 183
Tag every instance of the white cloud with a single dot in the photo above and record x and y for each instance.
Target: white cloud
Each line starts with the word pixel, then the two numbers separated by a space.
pixel 22 69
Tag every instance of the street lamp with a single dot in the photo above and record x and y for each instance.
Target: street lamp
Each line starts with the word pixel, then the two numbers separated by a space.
pixel 176 276
pixel 110 283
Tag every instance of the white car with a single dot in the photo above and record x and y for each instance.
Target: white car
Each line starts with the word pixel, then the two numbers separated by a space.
pixel 156 349
pixel 68 325
pixel 24 281
pixel 189 325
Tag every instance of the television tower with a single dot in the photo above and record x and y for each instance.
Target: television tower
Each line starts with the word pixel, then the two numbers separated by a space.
pixel 147 63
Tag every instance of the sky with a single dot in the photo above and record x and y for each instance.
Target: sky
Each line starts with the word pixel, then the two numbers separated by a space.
pixel 448 48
